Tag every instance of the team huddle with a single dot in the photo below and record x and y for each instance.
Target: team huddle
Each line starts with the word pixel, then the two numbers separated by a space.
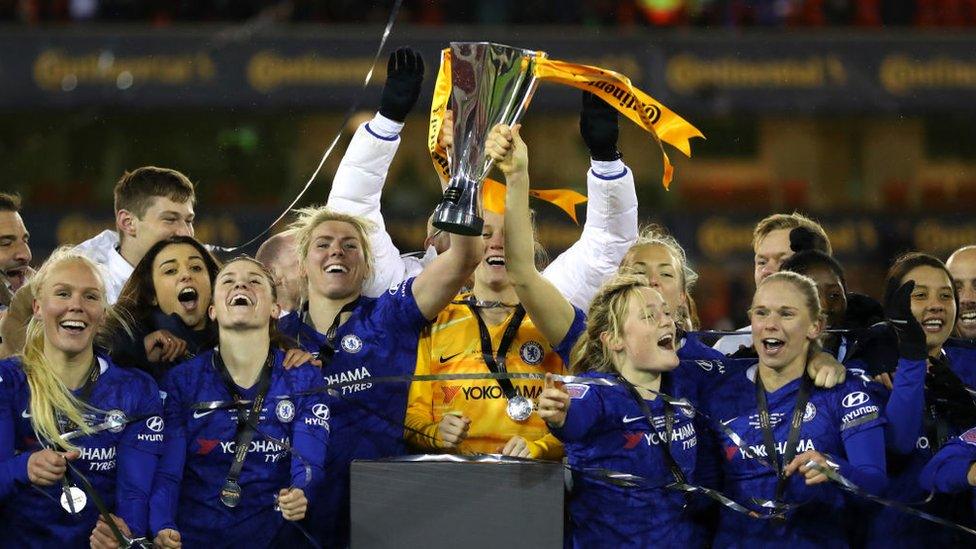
pixel 154 395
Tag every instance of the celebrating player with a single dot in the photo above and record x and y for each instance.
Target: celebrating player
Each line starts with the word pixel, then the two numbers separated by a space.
pixel 63 402
pixel 513 321
pixel 232 474
pixel 796 429
pixel 927 402
pixel 358 337
pixel 630 340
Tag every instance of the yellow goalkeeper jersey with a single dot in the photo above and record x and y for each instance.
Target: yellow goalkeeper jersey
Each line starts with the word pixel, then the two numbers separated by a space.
pixel 452 345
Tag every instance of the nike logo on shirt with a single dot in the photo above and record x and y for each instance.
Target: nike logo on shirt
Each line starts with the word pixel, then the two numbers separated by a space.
pixel 726 422
pixel 197 414
pixel 628 419
pixel 25 414
pixel 443 360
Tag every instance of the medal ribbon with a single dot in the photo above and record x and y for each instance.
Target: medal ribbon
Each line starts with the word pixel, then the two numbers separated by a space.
pixel 796 421
pixel 246 419
pixel 496 361
pixel 327 350
pixel 676 472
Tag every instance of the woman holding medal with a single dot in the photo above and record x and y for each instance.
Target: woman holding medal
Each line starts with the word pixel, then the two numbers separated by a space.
pixel 626 427
pixel 514 320
pixel 64 402
pixel 789 431
pixel 231 474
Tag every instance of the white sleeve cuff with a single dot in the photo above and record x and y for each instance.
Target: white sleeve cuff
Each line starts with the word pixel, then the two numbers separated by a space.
pixel 608 168
pixel 384 127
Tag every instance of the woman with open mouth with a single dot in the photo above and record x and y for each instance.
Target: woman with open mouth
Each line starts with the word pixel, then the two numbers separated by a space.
pixel 357 338
pixel 781 437
pixel 926 404
pixel 79 437
pixel 236 470
pixel 626 427
pixel 161 314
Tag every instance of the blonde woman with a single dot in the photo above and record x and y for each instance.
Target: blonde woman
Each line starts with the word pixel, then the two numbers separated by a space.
pixel 786 425
pixel 627 427
pixel 64 401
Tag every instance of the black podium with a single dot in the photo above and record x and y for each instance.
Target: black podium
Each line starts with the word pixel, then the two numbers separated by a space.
pixel 437 501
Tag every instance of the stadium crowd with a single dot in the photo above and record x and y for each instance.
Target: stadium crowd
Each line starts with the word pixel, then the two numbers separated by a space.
pixel 594 13
pixel 153 393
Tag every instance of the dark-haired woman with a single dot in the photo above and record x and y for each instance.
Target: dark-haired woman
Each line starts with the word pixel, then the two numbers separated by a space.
pixel 927 403
pixel 161 315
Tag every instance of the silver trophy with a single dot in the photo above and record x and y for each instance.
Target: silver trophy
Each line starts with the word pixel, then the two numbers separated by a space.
pixel 490 84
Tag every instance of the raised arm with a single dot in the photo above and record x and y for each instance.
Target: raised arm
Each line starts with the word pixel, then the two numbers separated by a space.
pixel 551 313
pixel 440 281
pixel 358 183
pixel 611 211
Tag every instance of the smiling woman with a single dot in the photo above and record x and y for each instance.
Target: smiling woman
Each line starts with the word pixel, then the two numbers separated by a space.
pixel 161 314
pixel 70 403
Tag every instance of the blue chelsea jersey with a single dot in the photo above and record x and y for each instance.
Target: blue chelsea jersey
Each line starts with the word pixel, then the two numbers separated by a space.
pixel 200 450
pixel 832 418
pixel 119 462
pixel 379 339
pixel 606 428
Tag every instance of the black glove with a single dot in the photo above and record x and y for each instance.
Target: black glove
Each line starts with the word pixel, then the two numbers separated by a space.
pixel 802 238
pixel 911 337
pixel 598 126
pixel 404 76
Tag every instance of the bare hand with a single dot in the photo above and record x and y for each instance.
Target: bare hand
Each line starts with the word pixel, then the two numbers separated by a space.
pixel 553 403
pixel 825 371
pixel 292 503
pixel 162 346
pixel 168 539
pixel 812 474
pixel 885 379
pixel 507 149
pixel 102 536
pixel 445 139
pixel 297 357
pixel 46 467
pixel 516 447
pixel 452 430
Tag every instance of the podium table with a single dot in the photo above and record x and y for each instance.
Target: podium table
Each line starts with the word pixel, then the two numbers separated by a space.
pixel 434 501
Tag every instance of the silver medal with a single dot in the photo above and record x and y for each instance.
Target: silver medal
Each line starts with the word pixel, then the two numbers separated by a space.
pixel 78 499
pixel 519 408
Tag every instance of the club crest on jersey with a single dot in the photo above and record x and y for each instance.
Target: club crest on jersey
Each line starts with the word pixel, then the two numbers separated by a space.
pixel 810 412
pixel 531 353
pixel 117 419
pixel 576 390
pixel 969 437
pixel 351 343
pixel 285 410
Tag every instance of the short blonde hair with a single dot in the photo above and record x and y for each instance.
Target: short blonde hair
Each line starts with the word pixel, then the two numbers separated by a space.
pixel 310 218
pixel 791 221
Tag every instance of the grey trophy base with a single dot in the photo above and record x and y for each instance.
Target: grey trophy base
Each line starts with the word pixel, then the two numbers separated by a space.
pixel 455 220
pixel 470 505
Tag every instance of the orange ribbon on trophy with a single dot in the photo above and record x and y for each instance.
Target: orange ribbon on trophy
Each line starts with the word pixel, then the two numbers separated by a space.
pixel 613 87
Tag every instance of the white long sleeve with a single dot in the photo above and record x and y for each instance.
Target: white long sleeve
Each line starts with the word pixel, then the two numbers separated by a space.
pixel 610 230
pixel 356 190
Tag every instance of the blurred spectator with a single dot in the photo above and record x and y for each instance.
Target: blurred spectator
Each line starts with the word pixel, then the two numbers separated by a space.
pixel 700 13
